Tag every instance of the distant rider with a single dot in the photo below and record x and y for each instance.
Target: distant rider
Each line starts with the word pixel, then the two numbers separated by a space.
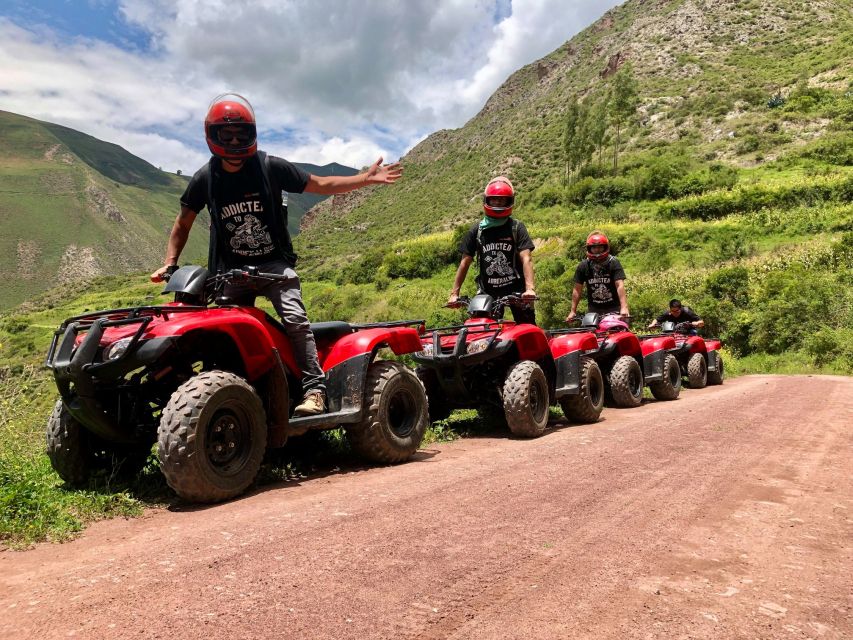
pixel 502 246
pixel 679 314
pixel 604 278
pixel 241 188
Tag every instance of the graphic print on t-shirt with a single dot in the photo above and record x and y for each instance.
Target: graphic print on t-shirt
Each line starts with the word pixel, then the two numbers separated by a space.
pixel 244 220
pixel 499 269
pixel 600 285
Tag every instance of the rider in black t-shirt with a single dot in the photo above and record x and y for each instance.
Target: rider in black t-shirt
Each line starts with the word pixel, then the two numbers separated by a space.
pixel 241 188
pixel 502 246
pixel 604 278
pixel 679 314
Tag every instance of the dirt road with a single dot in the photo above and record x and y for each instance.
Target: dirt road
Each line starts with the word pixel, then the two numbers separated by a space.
pixel 725 514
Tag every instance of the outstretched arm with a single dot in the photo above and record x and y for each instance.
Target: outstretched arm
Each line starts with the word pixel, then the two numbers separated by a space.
pixel 376 174
pixel 177 241
pixel 576 298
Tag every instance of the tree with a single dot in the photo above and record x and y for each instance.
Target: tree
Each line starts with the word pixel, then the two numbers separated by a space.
pixel 179 172
pixel 577 142
pixel 623 104
pixel 598 126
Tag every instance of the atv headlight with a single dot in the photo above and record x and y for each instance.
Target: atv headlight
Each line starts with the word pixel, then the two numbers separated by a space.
pixel 476 346
pixel 427 350
pixel 116 349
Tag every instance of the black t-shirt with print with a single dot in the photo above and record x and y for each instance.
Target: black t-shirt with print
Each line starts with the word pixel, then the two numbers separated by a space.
pixel 600 279
pixel 246 226
pixel 497 254
pixel 687 315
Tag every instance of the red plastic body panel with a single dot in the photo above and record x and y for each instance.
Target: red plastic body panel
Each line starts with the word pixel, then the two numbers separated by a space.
pixel 627 343
pixel 400 339
pixel 246 326
pixel 530 340
pixel 650 345
pixel 697 344
pixel 571 342
pixel 713 345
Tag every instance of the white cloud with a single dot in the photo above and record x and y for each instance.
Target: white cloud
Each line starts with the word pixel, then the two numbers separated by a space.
pixel 356 79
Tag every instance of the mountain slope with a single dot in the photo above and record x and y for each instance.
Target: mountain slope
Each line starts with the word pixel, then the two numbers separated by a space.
pixel 705 70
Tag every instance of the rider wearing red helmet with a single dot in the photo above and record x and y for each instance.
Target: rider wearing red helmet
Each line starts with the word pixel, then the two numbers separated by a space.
pixel 241 188
pixel 502 246
pixel 604 278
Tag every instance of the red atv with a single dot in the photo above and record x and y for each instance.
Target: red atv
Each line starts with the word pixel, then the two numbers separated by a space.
pixel 486 363
pixel 211 385
pixel 698 358
pixel 632 361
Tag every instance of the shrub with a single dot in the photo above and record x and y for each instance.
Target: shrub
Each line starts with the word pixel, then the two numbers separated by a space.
pixel 609 191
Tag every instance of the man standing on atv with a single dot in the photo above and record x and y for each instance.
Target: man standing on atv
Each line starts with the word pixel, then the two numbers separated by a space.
pixel 502 246
pixel 680 314
pixel 604 278
pixel 240 180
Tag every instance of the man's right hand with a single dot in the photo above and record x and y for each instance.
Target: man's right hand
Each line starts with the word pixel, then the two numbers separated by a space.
pixel 572 315
pixel 169 269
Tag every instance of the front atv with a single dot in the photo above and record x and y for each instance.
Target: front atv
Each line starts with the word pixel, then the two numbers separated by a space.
pixel 210 384
pixel 698 358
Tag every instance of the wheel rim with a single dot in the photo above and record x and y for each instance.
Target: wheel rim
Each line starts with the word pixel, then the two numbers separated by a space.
pixel 635 381
pixel 674 373
pixel 538 402
pixel 402 413
pixel 228 441
pixel 596 390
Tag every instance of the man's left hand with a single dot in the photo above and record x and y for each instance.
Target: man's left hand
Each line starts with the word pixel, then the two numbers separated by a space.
pixel 378 174
pixel 529 294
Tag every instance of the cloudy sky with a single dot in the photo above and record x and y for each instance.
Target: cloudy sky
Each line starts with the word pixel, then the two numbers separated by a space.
pixel 330 80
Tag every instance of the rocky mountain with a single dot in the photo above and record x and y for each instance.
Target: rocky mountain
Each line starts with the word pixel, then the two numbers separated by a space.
pixel 705 72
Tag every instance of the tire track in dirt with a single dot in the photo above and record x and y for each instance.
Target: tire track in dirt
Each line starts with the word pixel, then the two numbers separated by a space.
pixel 631 527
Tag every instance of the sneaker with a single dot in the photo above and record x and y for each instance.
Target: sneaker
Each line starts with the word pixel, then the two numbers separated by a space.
pixel 313 403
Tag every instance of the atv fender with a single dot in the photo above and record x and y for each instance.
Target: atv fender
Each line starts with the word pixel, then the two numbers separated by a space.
pixel 626 344
pixel 529 340
pixel 400 340
pixel 655 351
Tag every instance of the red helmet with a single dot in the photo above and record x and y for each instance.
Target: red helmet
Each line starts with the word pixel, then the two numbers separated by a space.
pixel 230 127
pixel 597 239
pixel 498 198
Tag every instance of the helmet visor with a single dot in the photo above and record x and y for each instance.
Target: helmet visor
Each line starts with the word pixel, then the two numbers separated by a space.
pixel 234 136
pixel 596 249
pixel 498 202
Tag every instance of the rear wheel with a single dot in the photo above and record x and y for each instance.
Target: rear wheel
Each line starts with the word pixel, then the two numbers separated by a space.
pixel 670 386
pixel 78 455
pixel 626 382
pixel 697 371
pixel 526 399
pixel 716 377
pixel 212 437
pixel 438 409
pixel 586 406
pixel 395 415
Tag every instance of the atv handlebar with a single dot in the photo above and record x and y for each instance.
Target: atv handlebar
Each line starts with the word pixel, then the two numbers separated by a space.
pixel 511 300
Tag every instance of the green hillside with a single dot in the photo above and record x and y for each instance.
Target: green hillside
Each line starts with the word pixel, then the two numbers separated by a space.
pixel 298 204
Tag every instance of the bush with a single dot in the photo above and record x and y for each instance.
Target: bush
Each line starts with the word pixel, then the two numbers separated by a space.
pixel 609 191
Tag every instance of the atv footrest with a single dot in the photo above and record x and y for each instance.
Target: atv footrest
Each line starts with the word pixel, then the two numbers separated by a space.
pixel 331 420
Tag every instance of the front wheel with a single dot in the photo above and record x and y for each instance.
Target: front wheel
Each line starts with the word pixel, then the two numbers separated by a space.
pixel 525 398
pixel 585 407
pixel 697 371
pixel 670 386
pixel 212 437
pixel 395 416
pixel 626 382
pixel 78 455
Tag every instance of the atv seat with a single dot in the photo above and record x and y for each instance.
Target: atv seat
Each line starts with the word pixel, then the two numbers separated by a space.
pixel 330 331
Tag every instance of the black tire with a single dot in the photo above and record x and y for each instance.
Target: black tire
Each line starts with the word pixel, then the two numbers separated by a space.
pixel 78 455
pixel 526 399
pixel 716 377
pixel 396 414
pixel 697 371
pixel 626 382
pixel 438 409
pixel 670 386
pixel 212 437
pixel 585 407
